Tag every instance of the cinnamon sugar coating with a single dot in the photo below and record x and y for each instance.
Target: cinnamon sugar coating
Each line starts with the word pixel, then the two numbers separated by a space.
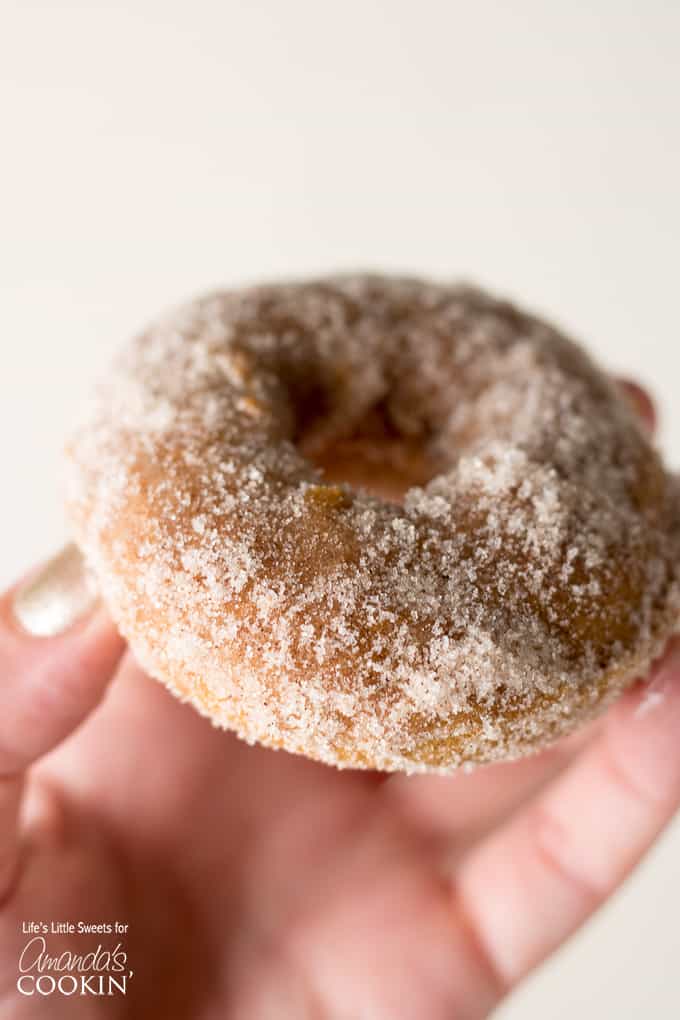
pixel 498 606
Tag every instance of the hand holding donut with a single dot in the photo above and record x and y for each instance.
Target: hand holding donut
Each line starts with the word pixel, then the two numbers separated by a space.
pixel 268 885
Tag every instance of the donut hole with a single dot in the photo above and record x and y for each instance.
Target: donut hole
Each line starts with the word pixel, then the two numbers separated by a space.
pixel 375 457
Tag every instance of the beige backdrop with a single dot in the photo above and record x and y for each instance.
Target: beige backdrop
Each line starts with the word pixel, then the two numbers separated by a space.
pixel 151 149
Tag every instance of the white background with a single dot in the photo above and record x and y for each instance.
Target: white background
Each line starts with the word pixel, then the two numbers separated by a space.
pixel 152 149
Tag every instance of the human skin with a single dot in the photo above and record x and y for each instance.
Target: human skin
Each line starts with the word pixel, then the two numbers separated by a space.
pixel 260 885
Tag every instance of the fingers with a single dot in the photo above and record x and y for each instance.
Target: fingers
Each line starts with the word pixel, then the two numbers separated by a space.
pixel 641 403
pixel 462 808
pixel 10 797
pixel 530 885
pixel 58 650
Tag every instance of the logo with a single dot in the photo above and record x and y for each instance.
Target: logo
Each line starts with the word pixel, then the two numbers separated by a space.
pixel 45 968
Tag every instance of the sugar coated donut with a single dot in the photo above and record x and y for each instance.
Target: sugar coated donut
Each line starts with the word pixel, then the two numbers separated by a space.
pixel 504 563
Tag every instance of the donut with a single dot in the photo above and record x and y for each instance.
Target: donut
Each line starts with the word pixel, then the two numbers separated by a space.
pixel 378 521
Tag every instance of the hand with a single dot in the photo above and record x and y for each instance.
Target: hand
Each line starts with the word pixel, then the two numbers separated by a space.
pixel 259 885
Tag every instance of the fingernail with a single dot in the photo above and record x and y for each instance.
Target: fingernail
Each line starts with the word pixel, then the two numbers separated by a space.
pixel 664 673
pixel 57 597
